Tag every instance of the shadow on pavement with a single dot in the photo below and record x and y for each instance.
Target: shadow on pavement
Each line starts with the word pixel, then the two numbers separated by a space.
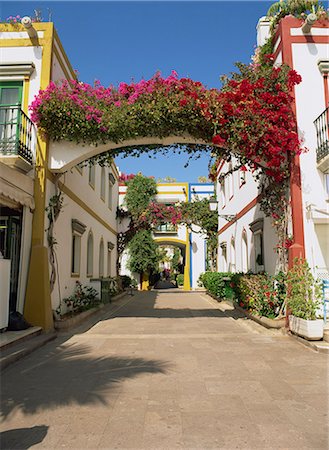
pixel 144 305
pixel 22 438
pixel 70 375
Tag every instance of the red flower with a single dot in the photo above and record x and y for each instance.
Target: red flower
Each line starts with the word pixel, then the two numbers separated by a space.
pixel 218 140
pixel 183 102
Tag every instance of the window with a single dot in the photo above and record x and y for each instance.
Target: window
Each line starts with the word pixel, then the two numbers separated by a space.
pixel 230 182
pixel 244 252
pixel 222 191
pixel 78 229
pixel 10 101
pixel 326 182
pixel 103 184
pixel 257 229
pixel 90 255
pixel 232 256
pixel 223 257
pixel 259 255
pixel 92 176
pixel 76 252
pixel 110 247
pixel 111 184
pixel 101 259
pixel 110 200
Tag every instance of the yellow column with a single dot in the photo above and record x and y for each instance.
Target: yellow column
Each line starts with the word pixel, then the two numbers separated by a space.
pixel 37 307
pixel 187 283
pixel 145 282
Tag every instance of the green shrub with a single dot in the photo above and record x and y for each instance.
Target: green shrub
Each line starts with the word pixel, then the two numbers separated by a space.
pixel 180 279
pixel 217 283
pixel 83 298
pixel 261 294
pixel 303 293
pixel 125 281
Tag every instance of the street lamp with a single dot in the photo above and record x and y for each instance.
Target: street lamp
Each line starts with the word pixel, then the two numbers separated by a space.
pixel 213 206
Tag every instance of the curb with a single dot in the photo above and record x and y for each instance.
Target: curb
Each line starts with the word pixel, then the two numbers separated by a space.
pixel 318 346
pixel 22 349
pixel 68 324
pixel 270 324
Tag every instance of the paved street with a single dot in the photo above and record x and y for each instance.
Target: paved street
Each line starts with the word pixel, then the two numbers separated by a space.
pixel 167 371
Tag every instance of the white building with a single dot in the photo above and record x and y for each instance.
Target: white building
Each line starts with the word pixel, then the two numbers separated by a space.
pixel 85 231
pixel 191 242
pixel 248 241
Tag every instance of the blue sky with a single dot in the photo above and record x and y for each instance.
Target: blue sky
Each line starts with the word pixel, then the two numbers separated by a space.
pixel 118 41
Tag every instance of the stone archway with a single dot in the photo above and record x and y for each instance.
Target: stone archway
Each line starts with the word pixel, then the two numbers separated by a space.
pixel 185 248
pixel 160 112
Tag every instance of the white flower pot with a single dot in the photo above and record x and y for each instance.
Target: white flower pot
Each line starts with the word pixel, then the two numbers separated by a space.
pixel 308 329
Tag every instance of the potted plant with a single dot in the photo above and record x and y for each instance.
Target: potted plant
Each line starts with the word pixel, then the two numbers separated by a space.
pixel 303 302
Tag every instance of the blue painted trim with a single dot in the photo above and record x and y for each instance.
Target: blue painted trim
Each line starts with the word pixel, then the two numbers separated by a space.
pixel 191 259
pixel 202 192
pixel 201 184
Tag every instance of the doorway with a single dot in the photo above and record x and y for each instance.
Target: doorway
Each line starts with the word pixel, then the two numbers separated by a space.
pixel 10 248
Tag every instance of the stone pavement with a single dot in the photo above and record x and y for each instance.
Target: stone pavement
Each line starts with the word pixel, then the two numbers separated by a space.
pixel 167 371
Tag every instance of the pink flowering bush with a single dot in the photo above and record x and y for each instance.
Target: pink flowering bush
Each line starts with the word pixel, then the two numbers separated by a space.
pixel 250 117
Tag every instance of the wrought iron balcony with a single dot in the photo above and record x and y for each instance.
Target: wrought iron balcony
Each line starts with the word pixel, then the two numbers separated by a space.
pixel 322 133
pixel 166 228
pixel 15 133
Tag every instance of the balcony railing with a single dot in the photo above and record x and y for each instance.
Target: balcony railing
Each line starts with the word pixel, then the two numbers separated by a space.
pixel 15 133
pixel 322 130
pixel 166 228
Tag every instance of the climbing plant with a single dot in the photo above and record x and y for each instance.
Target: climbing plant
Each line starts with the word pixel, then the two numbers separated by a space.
pixel 250 117
pixel 143 253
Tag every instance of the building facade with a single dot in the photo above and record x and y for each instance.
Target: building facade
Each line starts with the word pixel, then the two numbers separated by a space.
pixel 248 242
pixel 45 262
pixel 191 242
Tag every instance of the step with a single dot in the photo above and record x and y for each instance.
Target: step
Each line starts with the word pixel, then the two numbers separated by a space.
pixel 23 347
pixel 9 338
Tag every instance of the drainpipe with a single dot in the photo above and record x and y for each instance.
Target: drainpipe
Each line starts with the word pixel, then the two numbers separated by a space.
pixel 309 22
pixel 27 24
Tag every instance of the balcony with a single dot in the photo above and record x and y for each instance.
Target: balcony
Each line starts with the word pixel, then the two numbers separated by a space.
pixel 16 131
pixel 165 228
pixel 322 134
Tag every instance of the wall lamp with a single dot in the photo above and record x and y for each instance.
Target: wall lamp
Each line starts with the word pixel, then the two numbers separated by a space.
pixel 28 25
pixel 309 22
pixel 213 206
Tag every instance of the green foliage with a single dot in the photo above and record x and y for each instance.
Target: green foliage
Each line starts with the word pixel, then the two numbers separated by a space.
pixel 198 213
pixel 296 8
pixel 143 254
pixel 216 283
pixel 176 259
pixel 167 179
pixel 303 291
pixel 180 279
pixel 127 281
pixel 261 294
pixel 83 298
pixel 140 192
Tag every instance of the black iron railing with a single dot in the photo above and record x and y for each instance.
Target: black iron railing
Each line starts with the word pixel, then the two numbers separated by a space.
pixel 322 130
pixel 15 132
pixel 166 228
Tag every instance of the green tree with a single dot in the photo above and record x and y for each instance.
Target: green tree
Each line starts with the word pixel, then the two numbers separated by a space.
pixel 203 179
pixel 167 179
pixel 141 191
pixel 143 253
pixel 175 262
